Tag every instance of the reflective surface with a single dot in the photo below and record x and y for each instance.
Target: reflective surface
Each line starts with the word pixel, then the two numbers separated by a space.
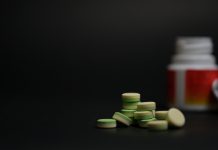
pixel 61 123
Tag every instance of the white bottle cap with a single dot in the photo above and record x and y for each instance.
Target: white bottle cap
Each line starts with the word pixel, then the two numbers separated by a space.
pixel 205 59
pixel 194 45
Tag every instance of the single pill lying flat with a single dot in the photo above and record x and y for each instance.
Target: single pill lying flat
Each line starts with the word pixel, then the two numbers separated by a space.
pixel 106 123
pixel 143 115
pixel 143 106
pixel 129 113
pixel 132 106
pixel 157 125
pixel 143 123
pixel 175 118
pixel 122 118
pixel 161 115
pixel 131 97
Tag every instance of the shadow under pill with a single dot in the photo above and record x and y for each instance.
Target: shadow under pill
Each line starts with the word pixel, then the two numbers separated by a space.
pixel 175 132
pixel 108 131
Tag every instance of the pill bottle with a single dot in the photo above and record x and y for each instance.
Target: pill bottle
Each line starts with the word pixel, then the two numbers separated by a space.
pixel 192 75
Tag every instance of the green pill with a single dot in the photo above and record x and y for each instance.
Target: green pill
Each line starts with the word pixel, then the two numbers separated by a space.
pixel 144 106
pixel 157 125
pixel 122 118
pixel 130 97
pixel 132 106
pixel 175 118
pixel 161 115
pixel 106 123
pixel 143 123
pixel 143 115
pixel 129 113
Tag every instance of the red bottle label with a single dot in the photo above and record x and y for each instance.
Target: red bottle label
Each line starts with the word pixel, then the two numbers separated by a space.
pixel 198 86
pixel 191 87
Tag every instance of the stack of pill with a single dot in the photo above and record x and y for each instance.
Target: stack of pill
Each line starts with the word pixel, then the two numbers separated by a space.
pixel 144 114
pixel 130 100
pixel 129 104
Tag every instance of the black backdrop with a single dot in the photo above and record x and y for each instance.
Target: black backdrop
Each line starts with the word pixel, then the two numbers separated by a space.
pixel 58 55
pixel 96 48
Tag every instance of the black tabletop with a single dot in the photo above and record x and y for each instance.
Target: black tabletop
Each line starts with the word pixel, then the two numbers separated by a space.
pixel 51 124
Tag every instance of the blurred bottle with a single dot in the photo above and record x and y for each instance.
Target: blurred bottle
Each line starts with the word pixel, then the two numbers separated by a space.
pixel 191 74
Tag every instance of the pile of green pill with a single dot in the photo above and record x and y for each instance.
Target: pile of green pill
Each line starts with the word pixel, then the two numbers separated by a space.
pixel 143 114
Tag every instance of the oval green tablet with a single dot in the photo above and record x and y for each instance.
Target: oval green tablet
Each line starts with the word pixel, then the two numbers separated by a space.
pixel 143 106
pixel 143 123
pixel 175 118
pixel 143 115
pixel 106 123
pixel 132 106
pixel 157 125
pixel 128 112
pixel 122 118
pixel 131 97
pixel 161 115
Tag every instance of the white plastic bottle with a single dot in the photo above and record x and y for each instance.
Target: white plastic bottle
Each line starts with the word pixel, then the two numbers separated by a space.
pixel 191 74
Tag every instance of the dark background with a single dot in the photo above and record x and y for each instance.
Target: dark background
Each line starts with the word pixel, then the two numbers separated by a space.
pixel 65 63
